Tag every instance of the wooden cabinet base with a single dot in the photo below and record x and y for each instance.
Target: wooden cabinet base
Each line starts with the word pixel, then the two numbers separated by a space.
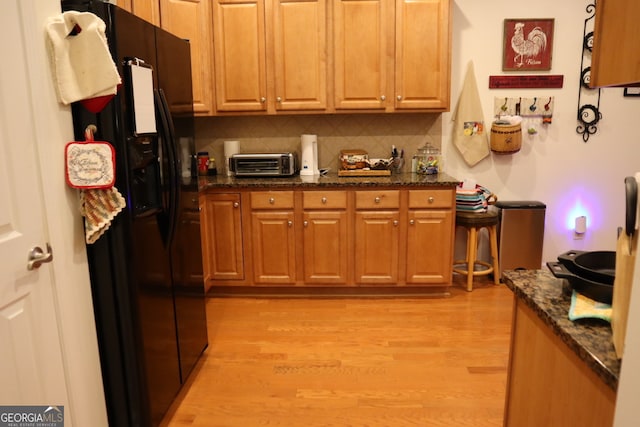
pixel 548 385
pixel 216 290
pixel 329 240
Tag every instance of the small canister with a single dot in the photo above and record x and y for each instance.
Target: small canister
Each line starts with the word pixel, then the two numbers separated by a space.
pixel 203 162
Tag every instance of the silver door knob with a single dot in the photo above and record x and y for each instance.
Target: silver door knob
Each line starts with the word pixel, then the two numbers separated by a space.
pixel 290 223
pixel 263 100
pixel 37 257
pixel 382 98
pixel 399 97
pixel 278 99
pixel 236 204
pixel 272 200
pixel 377 200
pixel 324 200
pixel 412 222
pixel 305 223
pixel 395 222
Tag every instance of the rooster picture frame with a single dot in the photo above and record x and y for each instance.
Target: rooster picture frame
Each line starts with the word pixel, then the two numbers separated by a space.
pixel 528 44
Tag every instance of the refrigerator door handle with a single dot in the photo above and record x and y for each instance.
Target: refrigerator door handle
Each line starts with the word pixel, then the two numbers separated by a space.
pixel 168 142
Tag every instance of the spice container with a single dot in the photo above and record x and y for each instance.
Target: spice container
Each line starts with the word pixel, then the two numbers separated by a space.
pixel 203 162
pixel 212 169
pixel 428 160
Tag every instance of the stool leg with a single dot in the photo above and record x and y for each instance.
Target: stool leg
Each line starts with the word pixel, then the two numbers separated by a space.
pixel 472 250
pixel 493 239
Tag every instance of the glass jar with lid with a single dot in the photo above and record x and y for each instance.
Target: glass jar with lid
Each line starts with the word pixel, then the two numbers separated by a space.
pixel 428 160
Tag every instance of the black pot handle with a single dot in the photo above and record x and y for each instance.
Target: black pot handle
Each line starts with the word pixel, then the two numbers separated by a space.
pixel 631 193
pixel 560 271
pixel 570 255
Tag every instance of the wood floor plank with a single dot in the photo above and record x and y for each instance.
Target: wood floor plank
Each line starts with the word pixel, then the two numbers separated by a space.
pixel 352 362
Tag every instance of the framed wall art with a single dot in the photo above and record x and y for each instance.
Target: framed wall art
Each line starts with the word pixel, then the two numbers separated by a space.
pixel 631 91
pixel 528 44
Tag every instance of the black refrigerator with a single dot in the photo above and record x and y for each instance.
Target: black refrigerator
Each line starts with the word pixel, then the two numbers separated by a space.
pixel 146 270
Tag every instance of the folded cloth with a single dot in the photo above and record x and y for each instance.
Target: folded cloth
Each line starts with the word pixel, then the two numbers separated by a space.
pixel 474 200
pixel 469 135
pixel 99 207
pixel 585 308
pixel 81 62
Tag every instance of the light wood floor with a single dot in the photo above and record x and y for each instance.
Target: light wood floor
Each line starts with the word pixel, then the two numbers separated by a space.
pixel 352 362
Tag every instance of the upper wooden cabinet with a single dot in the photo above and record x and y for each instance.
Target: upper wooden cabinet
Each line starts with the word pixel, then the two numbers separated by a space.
pixel 191 20
pixel 616 39
pixel 392 57
pixel 362 32
pixel 270 55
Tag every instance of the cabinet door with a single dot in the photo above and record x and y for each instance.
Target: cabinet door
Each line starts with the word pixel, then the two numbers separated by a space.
pixel 300 54
pixel 325 247
pixel 149 10
pixel 422 60
pixel 239 53
pixel 429 247
pixel 191 20
pixel 273 243
pixel 376 247
pixel 222 237
pixel 616 38
pixel 361 31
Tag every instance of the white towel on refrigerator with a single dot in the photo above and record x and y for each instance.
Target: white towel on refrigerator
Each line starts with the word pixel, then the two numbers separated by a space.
pixel 81 61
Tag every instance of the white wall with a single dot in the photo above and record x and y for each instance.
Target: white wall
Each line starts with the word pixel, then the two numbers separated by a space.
pixel 555 167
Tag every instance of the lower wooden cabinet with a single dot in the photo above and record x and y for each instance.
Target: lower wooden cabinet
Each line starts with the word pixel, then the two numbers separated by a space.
pixel 274 249
pixel 329 237
pixel 222 238
pixel 377 244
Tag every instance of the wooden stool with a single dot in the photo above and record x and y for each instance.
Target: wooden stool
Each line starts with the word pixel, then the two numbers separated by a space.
pixel 473 222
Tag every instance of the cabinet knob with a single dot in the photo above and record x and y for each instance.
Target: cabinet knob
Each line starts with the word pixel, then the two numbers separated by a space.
pixel 278 99
pixel 431 199
pixel 272 200
pixel 395 222
pixel 324 200
pixel 399 97
pixel 290 223
pixel 377 199
pixel 383 98
pixel 412 222
pixel 305 223
pixel 263 100
pixel 236 204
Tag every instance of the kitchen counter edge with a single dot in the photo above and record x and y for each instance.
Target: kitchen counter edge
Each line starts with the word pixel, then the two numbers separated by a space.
pixel 328 180
pixel 550 298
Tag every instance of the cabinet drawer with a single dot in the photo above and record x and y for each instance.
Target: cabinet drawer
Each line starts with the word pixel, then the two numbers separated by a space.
pixel 324 199
pixel 272 200
pixel 430 199
pixel 389 199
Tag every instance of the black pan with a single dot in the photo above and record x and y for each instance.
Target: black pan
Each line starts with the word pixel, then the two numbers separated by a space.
pixel 597 291
pixel 598 266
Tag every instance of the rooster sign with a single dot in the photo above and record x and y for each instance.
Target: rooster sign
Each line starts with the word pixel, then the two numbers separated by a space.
pixel 527 44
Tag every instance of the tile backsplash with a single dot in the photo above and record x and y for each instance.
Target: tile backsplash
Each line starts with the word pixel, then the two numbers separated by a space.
pixel 374 133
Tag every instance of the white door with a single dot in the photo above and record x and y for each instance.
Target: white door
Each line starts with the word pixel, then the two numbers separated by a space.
pixel 31 367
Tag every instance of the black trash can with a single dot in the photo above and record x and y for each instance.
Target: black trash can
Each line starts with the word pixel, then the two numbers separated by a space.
pixel 520 234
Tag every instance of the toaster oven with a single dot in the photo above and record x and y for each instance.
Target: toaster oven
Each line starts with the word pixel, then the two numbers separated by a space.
pixel 264 164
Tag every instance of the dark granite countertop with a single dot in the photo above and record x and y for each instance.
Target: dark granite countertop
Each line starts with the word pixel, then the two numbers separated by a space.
pixel 328 180
pixel 550 298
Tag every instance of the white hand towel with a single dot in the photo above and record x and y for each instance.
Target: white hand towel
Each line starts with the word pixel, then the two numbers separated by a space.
pixel 81 62
pixel 469 133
